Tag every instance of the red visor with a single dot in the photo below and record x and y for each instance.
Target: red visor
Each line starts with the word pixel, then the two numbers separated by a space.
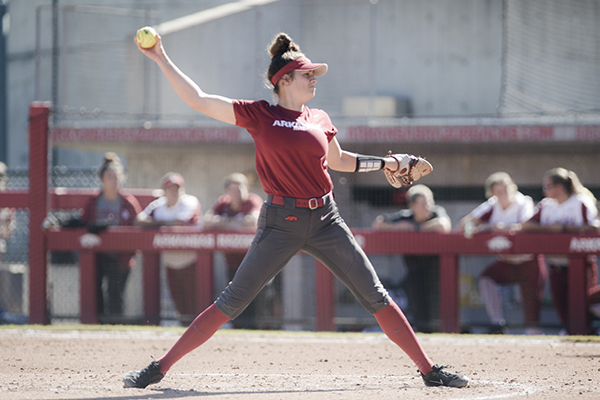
pixel 301 63
pixel 174 179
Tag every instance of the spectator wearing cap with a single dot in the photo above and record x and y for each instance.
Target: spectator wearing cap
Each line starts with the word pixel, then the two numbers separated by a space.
pixel 176 208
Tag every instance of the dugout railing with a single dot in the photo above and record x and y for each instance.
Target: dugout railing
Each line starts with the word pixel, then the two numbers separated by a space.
pixel 39 199
pixel 448 246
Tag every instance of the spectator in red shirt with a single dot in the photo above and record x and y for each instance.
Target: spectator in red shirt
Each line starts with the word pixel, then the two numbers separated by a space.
pixel 237 209
pixel 111 207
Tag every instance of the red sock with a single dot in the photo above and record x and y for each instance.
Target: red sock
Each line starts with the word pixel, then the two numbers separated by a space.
pixel 396 327
pixel 201 329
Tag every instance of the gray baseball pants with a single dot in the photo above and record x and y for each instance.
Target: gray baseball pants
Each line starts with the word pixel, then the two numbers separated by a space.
pixel 283 231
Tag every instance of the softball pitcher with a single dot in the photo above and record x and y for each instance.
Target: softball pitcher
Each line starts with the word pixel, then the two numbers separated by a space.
pixel 294 147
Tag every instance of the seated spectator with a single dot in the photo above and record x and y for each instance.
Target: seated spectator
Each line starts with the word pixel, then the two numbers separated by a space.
pixel 7 215
pixel 422 281
pixel 111 207
pixel 7 226
pixel 176 208
pixel 505 208
pixel 238 208
pixel 567 207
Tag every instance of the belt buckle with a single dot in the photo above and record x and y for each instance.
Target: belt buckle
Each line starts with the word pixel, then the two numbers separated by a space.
pixel 312 201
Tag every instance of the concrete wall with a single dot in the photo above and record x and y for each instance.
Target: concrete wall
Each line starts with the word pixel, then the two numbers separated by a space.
pixel 445 57
pixel 204 167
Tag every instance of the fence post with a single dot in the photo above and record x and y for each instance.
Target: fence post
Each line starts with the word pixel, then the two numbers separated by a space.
pixel 39 112
pixel 151 269
pixel 325 298
pixel 204 280
pixel 449 303
pixel 88 296
pixel 577 297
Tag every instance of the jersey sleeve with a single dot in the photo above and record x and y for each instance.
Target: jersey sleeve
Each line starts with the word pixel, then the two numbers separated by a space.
pixel 483 212
pixel 192 211
pixel 537 213
pixel 589 211
pixel 149 210
pixel 402 215
pixel 219 207
pixel 527 209
pixel 247 113
pixel 439 212
pixel 131 207
pixel 254 203
pixel 328 127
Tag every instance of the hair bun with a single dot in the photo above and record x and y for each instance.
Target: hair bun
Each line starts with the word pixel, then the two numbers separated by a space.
pixel 282 44
pixel 111 156
pixel 112 161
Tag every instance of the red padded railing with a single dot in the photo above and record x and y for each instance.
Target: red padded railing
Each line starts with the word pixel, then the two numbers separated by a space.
pixel 448 246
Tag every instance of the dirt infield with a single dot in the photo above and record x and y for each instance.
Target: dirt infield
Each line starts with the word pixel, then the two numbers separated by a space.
pixel 70 364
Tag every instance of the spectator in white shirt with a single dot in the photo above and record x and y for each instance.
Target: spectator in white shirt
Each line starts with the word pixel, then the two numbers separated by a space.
pixel 567 207
pixel 176 208
pixel 505 208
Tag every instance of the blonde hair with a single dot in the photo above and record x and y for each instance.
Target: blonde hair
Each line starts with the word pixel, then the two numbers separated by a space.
pixel 569 181
pixel 236 177
pixel 501 178
pixel 420 190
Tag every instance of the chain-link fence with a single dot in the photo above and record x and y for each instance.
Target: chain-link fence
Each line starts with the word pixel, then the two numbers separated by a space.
pixel 13 261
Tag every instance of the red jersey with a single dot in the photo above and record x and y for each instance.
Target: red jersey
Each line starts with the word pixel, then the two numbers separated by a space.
pixel 223 205
pixel 128 210
pixel 291 147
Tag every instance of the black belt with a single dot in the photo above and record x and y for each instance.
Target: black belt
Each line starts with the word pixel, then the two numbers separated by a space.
pixel 312 203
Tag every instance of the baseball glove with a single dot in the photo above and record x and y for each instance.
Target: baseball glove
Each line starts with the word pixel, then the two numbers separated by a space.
pixel 410 168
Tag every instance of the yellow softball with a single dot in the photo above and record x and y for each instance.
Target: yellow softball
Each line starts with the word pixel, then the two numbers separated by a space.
pixel 146 37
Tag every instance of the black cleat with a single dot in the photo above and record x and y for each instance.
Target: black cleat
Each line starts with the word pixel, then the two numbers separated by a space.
pixel 143 377
pixel 498 329
pixel 439 376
